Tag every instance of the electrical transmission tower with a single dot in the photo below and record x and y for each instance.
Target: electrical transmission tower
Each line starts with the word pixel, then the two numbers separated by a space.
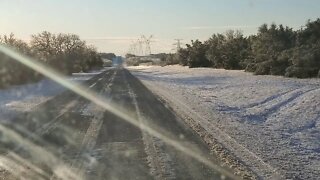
pixel 147 42
pixel 178 44
pixel 137 46
pixel 140 45
pixel 134 48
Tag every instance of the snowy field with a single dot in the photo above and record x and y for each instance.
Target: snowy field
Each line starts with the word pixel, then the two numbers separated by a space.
pixel 271 124
pixel 24 98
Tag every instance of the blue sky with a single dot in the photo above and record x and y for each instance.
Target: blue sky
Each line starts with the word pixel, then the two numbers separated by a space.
pixel 111 25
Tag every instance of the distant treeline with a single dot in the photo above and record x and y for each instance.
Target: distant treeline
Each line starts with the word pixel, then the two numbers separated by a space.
pixel 66 53
pixel 274 50
pixel 109 56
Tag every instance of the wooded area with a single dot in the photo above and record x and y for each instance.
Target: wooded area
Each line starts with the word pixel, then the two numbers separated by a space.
pixel 66 53
pixel 274 50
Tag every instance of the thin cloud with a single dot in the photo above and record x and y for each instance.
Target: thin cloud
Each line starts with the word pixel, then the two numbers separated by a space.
pixel 221 27
pixel 118 39
pixel 126 39
pixel 111 38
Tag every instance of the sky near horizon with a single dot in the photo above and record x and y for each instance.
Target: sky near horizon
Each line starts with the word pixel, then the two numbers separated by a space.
pixel 112 25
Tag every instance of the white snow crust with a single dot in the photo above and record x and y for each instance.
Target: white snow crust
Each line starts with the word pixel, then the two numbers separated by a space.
pixel 23 98
pixel 271 123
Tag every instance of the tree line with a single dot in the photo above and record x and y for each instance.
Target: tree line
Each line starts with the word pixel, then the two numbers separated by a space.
pixel 66 53
pixel 274 50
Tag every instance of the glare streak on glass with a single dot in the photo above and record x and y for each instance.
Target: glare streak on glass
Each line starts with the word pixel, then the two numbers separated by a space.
pixel 15 164
pixel 113 108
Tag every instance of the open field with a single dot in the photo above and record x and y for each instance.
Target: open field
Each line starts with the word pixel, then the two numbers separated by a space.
pixel 271 124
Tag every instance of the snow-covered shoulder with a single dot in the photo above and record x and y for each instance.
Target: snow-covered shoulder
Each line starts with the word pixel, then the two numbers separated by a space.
pixel 276 119
pixel 23 98
pixel 84 76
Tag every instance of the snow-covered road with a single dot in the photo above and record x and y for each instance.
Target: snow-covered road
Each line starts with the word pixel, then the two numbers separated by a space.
pixel 72 137
pixel 271 124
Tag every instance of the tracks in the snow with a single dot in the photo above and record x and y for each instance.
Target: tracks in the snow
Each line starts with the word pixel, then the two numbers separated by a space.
pixel 70 137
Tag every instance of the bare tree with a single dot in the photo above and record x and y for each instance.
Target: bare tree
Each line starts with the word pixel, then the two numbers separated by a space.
pixel 43 44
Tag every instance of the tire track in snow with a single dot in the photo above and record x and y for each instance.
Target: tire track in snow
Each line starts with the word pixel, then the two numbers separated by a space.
pixel 261 112
pixel 268 106
pixel 91 135
pixel 256 163
pixel 159 161
pixel 77 164
pixel 47 127
pixel 44 155
pixel 51 124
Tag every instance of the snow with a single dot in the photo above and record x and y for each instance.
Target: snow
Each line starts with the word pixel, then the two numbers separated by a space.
pixel 24 98
pixel 79 77
pixel 270 123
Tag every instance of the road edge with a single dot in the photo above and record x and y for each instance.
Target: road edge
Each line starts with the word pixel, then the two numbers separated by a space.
pixel 215 146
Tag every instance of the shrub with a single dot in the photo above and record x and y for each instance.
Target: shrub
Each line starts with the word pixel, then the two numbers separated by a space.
pixel 263 68
pixel 301 72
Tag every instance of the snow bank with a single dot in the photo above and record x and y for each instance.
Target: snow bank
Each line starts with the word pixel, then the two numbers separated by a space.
pixel 79 77
pixel 23 98
pixel 275 119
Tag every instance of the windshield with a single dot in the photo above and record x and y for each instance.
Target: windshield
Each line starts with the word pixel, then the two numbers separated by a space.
pixel 159 89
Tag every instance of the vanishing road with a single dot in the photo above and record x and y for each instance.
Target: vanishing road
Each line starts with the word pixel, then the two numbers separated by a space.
pixel 69 137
